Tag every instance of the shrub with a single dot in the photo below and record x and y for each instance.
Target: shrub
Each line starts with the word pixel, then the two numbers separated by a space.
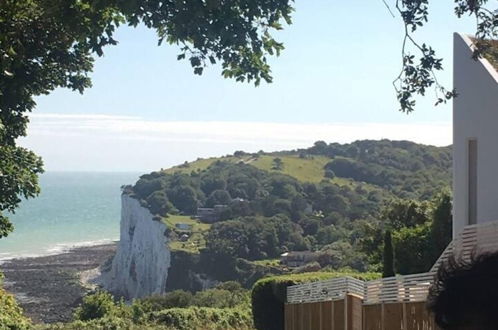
pixel 173 299
pixel 204 318
pixel 96 306
pixel 218 298
pixel 329 174
pixel 11 315
pixel 269 294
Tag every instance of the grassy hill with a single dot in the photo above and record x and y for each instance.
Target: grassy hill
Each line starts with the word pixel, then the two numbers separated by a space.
pixel 326 198
pixel 311 169
pixel 304 169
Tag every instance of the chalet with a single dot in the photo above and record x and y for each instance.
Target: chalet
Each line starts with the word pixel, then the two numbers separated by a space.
pixel 297 258
pixel 210 215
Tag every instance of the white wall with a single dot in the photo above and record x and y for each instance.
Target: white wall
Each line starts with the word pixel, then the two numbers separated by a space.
pixel 475 115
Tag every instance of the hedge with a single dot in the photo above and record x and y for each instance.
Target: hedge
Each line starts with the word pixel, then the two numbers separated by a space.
pixel 204 318
pixel 269 294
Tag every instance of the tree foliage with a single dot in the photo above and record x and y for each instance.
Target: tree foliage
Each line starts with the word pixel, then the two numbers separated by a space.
pixel 388 258
pixel 48 44
pixel 19 169
pixel 418 72
pixel 421 231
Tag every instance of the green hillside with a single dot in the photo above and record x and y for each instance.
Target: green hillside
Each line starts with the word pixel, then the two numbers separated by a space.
pixel 330 198
pixel 305 170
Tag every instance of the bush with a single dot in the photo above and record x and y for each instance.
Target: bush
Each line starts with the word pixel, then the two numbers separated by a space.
pixel 173 299
pixel 269 295
pixel 11 315
pixel 219 298
pixel 204 318
pixel 329 174
pixel 96 306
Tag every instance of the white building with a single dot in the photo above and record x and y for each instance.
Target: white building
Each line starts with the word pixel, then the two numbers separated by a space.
pixel 475 138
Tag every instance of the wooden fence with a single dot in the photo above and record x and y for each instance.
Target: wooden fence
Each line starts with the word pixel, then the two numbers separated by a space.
pixel 350 313
pixel 397 316
pixel 394 303
pixel 342 314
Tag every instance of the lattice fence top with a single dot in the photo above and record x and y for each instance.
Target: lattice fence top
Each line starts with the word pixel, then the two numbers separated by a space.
pixel 477 239
pixel 408 288
pixel 331 289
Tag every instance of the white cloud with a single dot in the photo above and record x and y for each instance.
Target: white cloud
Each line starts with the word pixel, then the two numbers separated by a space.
pixel 105 142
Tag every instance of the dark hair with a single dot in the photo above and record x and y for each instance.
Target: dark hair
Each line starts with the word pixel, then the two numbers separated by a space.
pixel 465 293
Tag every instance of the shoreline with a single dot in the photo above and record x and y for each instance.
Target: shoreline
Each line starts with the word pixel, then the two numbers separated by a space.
pixel 56 249
pixel 49 287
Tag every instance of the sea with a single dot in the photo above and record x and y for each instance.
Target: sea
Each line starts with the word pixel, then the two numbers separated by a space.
pixel 73 209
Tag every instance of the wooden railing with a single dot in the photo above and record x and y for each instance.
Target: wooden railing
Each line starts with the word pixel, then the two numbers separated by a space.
pixel 331 289
pixel 408 288
pixel 386 304
pixel 474 239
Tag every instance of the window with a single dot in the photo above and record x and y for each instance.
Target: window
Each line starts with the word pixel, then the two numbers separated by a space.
pixel 472 181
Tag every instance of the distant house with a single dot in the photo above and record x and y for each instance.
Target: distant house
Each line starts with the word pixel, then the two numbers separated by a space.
pixel 297 258
pixel 475 135
pixel 210 214
pixel 184 238
pixel 183 226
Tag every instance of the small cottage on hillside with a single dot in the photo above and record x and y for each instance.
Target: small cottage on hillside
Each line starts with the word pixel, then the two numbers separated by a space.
pixel 297 258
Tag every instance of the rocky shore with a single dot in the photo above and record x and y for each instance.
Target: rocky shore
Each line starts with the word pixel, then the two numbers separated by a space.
pixel 49 288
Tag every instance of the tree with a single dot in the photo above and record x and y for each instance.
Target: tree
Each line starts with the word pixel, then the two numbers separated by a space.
pixel 412 248
pixel 406 213
pixel 47 44
pixel 278 164
pixel 218 197
pixel 442 221
pixel 158 203
pixel 184 199
pixel 19 169
pixel 388 260
pixel 418 74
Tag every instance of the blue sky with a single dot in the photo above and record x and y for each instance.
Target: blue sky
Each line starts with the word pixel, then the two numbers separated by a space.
pixel 332 82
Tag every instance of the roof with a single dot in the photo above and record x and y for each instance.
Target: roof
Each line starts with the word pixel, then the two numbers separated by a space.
pixel 491 51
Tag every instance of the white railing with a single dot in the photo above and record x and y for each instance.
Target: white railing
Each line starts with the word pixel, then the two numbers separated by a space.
pixel 474 239
pixel 408 288
pixel 331 289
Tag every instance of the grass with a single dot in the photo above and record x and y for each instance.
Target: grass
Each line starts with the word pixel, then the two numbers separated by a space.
pixel 303 169
pixel 196 240
pixel 172 220
pixel 267 262
pixel 200 164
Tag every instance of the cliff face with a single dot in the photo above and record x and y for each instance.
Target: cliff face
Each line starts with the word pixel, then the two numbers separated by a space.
pixel 140 266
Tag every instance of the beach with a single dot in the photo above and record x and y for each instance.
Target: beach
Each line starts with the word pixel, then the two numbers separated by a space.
pixel 50 287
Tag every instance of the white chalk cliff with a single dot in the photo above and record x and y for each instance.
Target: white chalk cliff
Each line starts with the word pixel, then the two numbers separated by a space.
pixel 140 266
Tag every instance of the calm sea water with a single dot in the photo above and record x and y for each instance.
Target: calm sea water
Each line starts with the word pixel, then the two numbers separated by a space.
pixel 73 209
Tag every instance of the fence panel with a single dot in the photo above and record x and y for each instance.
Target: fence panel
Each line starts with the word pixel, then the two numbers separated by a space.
pixel 316 314
pixel 338 321
pixel 393 316
pixel 372 317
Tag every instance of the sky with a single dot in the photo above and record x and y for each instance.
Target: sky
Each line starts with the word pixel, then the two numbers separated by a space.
pixel 333 82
